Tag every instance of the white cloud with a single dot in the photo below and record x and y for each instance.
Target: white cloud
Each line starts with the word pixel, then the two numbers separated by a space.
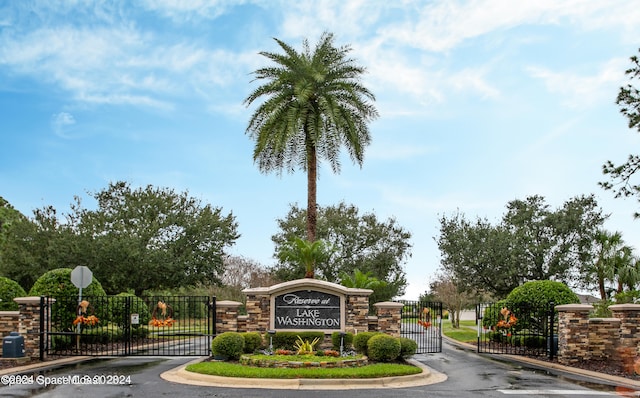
pixel 60 123
pixel 580 91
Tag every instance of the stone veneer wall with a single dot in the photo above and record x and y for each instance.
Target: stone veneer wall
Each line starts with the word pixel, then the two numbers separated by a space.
pixel 603 335
pixel 28 324
pixel 389 317
pixel 582 339
pixel 9 321
pixel 357 308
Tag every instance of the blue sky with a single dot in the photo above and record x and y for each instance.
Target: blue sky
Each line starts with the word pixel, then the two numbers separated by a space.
pixel 480 102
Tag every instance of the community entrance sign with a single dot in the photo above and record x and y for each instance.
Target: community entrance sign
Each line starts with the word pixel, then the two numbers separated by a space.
pixel 308 309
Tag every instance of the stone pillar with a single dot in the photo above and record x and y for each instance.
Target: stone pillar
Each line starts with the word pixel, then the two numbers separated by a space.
pixel 227 316
pixel 629 315
pixel 389 317
pixel 604 334
pixel 258 313
pixel 8 322
pixel 573 332
pixel 356 313
pixel 29 325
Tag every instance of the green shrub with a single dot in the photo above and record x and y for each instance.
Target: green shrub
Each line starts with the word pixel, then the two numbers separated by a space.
pixel 361 340
pixel 57 284
pixel 229 345
pixel 10 289
pixel 534 341
pixel 491 314
pixel 408 347
pixel 252 341
pixel 117 305
pixel 383 348
pixel 335 341
pixel 540 293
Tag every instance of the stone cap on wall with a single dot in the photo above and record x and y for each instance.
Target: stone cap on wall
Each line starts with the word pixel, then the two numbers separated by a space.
pixel 307 283
pixel 228 304
pixel 625 307
pixel 33 300
pixel 388 304
pixel 574 307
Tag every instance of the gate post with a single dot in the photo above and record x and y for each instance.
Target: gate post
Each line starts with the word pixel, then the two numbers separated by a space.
pixel 29 325
pixel 389 317
pixel 573 332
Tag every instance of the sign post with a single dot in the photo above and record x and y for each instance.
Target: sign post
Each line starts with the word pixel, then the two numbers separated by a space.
pixel 81 277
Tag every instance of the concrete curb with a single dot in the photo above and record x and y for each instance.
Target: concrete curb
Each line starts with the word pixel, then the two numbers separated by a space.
pixel 428 376
pixel 44 365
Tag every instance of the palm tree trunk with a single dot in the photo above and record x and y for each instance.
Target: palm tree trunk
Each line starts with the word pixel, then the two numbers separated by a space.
pixel 312 173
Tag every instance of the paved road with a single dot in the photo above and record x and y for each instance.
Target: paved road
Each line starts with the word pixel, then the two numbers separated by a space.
pixel 469 375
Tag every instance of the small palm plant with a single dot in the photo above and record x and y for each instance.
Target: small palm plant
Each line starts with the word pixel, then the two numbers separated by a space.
pixel 361 280
pixel 304 347
pixel 308 254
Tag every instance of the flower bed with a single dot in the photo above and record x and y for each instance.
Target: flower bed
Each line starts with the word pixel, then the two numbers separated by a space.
pixel 297 363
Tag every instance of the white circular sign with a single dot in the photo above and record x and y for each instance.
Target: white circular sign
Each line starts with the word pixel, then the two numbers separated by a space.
pixel 81 276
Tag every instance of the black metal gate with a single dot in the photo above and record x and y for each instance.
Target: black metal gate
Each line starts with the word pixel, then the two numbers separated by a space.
pixel 422 322
pixel 126 325
pixel 517 329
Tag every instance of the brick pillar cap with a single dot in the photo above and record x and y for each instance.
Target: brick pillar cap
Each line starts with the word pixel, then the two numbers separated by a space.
pixel 388 304
pixel 574 307
pixel 228 304
pixel 31 300
pixel 625 307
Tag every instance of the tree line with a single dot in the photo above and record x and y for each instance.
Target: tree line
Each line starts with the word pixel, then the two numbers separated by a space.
pixel 151 238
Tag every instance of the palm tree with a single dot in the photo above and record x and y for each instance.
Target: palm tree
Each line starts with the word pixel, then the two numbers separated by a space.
pixel 307 254
pixel 313 104
pixel 609 259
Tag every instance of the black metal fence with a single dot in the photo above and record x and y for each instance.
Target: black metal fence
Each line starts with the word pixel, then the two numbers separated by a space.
pixel 517 329
pixel 422 322
pixel 127 325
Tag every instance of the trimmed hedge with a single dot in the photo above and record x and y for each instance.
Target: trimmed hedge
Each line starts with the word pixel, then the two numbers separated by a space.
pixel 346 344
pixel 10 289
pixel 408 347
pixel 360 341
pixel 383 348
pixel 252 341
pixel 229 345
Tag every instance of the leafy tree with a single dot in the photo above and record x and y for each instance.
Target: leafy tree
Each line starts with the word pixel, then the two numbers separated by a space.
pixel 37 245
pixel 313 104
pixel 621 175
pixel 154 238
pixel 532 242
pixel 446 290
pixel 357 241
pixel 476 255
pixel 8 216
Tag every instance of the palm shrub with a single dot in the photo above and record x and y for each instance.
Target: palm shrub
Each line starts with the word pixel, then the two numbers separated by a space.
pixel 383 348
pixel 228 345
pixel 9 289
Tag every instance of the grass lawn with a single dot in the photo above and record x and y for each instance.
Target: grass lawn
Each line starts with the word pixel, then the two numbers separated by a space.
pixel 467 332
pixel 234 369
